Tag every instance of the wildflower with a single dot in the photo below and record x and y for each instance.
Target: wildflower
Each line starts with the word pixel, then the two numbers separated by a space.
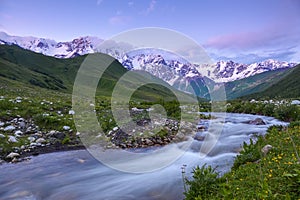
pixel 270 175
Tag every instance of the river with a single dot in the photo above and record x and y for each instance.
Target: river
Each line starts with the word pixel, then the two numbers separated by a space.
pixel 76 175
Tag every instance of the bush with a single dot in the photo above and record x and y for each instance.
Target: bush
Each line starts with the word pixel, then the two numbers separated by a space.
pixel 204 185
pixel 250 153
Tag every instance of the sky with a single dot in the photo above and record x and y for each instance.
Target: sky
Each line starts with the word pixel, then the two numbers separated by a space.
pixel 244 31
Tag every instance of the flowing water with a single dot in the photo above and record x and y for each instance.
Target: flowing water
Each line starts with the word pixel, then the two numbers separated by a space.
pixel 76 175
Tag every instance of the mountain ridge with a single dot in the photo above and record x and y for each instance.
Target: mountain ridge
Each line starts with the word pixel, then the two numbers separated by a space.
pixel 220 72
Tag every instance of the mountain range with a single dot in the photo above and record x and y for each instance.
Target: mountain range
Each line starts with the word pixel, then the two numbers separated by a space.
pixel 239 79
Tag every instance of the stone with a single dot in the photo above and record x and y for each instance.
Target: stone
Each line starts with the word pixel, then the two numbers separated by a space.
pixel 9 128
pixel 71 112
pixel 265 150
pixel 22 125
pixel 2 136
pixel 257 121
pixel 40 140
pixel 201 127
pixel 199 136
pixel 34 144
pixel 2 124
pixel 15 160
pixel 115 128
pixel 295 102
pixel 59 135
pixel 31 139
pixel 66 128
pixel 12 155
pixel 18 133
pixel 12 139
pixel 51 133
pixel 148 142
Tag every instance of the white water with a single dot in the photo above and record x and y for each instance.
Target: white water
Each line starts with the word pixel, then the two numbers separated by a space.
pixel 77 175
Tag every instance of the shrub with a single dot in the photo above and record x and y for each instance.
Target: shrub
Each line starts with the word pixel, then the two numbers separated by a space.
pixel 250 153
pixel 204 185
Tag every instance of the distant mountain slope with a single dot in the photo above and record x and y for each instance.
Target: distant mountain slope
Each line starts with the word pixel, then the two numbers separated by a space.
pixel 252 84
pixel 287 86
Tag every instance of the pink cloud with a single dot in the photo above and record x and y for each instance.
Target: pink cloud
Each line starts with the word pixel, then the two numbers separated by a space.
pixel 239 40
pixel 273 34
pixel 280 30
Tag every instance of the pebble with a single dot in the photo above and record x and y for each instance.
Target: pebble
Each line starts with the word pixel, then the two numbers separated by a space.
pixel 2 136
pixel 2 123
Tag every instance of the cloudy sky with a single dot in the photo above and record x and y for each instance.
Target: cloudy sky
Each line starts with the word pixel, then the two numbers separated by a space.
pixel 244 31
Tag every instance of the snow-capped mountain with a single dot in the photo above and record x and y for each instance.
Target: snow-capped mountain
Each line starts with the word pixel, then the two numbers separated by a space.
pixel 172 69
pixel 223 71
pixel 79 46
pixel 227 71
pixel 177 73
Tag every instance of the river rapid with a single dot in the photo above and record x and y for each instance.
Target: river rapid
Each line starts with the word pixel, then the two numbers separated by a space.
pixel 76 175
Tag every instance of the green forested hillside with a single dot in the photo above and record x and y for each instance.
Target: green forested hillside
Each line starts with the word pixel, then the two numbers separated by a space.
pixel 285 86
pixel 253 84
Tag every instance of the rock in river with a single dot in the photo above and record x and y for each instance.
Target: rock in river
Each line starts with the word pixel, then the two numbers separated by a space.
pixel 257 121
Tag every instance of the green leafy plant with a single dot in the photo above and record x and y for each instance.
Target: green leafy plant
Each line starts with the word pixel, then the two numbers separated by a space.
pixel 204 185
